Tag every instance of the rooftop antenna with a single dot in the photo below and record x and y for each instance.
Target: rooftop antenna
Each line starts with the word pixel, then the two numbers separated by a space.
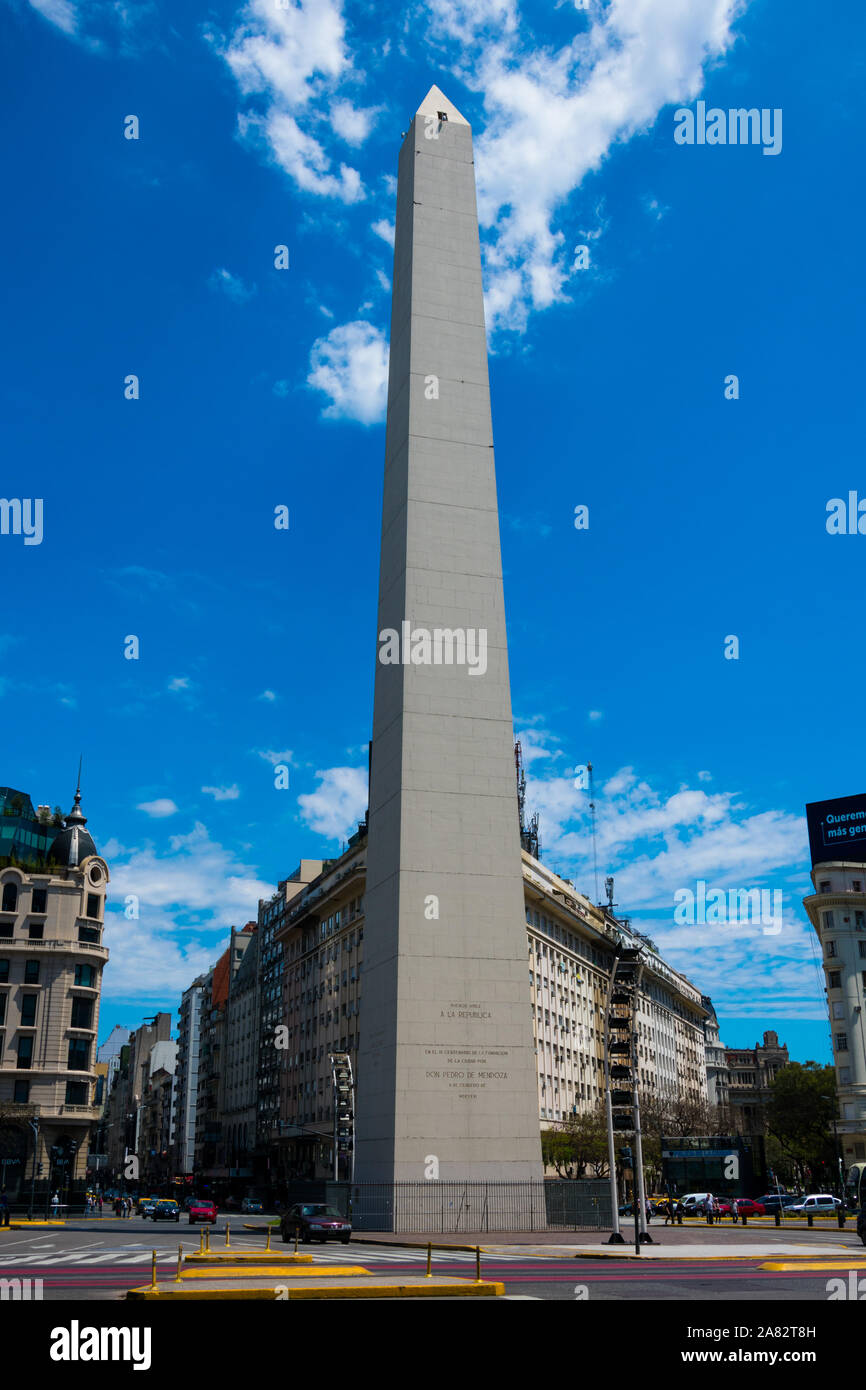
pixel 592 817
pixel 78 784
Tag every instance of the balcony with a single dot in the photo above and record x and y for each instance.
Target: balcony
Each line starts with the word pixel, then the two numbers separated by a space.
pixel 71 946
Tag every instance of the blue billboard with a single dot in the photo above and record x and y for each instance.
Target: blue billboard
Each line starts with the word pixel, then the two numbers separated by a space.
pixel 837 829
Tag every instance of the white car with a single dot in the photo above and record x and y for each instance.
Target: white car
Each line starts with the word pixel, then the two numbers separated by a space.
pixel 820 1203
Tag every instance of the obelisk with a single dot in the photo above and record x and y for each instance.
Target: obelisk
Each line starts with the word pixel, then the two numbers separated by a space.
pixel 447 1083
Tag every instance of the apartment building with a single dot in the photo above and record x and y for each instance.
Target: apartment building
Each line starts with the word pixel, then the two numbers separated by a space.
pixel 53 885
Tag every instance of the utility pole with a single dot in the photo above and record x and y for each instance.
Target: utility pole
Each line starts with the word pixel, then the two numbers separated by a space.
pixel 34 1125
pixel 592 819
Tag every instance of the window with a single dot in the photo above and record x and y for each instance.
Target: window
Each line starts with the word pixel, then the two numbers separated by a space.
pixel 2 1008
pixel 28 1011
pixel 840 1042
pixel 79 1054
pixel 31 972
pixel 856 884
pixel 6 929
pixel 82 1013
pixel 25 1051
pixel 824 887
pixel 85 975
pixel 861 948
pixel 844 1076
pixel 93 904
pixel 10 897
pixel 4 971
pixel 834 979
pixel 35 931
pixel 21 1092
pixel 77 1092
pixel 838 1009
pixel 39 900
pixel 828 921
pixel 831 949
pixel 89 934
pixel 860 920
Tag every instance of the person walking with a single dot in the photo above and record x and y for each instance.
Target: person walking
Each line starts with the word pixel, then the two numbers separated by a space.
pixel 100 1204
pixel 55 1205
pixel 4 1208
pixel 669 1211
pixel 710 1208
pixel 128 1207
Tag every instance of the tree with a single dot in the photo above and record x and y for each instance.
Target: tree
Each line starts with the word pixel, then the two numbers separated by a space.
pixel 800 1117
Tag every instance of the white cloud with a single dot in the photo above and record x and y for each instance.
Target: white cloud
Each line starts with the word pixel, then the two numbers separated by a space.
pixel 231 285
pixel 223 793
pixel 338 803
pixel 657 841
pixel 595 715
pixel 160 808
pixel 59 12
pixel 352 123
pixel 185 894
pixel 350 366
pixel 273 757
pixel 555 113
pixel 705 776
pixel 179 683
pixel 384 229
pixel 268 695
pixel 295 60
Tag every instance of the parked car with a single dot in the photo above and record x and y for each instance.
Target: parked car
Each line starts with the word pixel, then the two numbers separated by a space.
pixel 694 1203
pixel 747 1206
pixel 777 1201
pixel 201 1210
pixel 164 1210
pixel 250 1205
pixel 818 1204
pixel 315 1221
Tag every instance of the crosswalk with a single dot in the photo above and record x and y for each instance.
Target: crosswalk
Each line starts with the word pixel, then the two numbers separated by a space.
pixel 140 1254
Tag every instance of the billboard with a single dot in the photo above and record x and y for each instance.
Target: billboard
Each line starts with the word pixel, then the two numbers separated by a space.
pixel 837 829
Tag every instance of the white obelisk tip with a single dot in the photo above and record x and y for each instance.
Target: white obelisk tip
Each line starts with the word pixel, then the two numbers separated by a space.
pixel 436 102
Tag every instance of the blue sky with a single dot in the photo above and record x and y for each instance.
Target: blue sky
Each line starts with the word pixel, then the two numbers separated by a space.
pixel 262 387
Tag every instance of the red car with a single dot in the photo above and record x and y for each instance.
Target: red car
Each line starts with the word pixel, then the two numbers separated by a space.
pixel 202 1211
pixel 745 1206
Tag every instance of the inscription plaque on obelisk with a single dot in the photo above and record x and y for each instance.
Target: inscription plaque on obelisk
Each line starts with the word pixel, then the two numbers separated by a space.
pixel 446 1068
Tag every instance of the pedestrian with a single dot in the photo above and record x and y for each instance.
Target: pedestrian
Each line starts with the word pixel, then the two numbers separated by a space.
pixel 680 1211
pixel 55 1205
pixel 100 1204
pixel 4 1208
pixel 710 1207
pixel 668 1208
pixel 118 1206
pixel 128 1208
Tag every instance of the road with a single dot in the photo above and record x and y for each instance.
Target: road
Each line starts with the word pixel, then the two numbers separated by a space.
pixel 92 1260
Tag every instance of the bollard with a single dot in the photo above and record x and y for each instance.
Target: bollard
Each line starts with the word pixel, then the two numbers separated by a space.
pixel 297 1228
pixel 809 1219
pixel 745 1219
pixel 153 1271
pixel 429 1273
pixel 268 1246
pixel 227 1233
pixel 778 1215
pixel 177 1279
pixel 206 1230
pixel 840 1217
pixel 478 1264
pixel 201 1241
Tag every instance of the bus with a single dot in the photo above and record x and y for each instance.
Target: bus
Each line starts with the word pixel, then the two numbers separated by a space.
pixel 855 1195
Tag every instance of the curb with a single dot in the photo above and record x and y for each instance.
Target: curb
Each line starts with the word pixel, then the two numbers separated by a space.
pixel 323 1291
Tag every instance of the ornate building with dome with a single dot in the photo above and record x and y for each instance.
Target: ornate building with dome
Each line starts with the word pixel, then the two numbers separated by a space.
pixel 53 885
